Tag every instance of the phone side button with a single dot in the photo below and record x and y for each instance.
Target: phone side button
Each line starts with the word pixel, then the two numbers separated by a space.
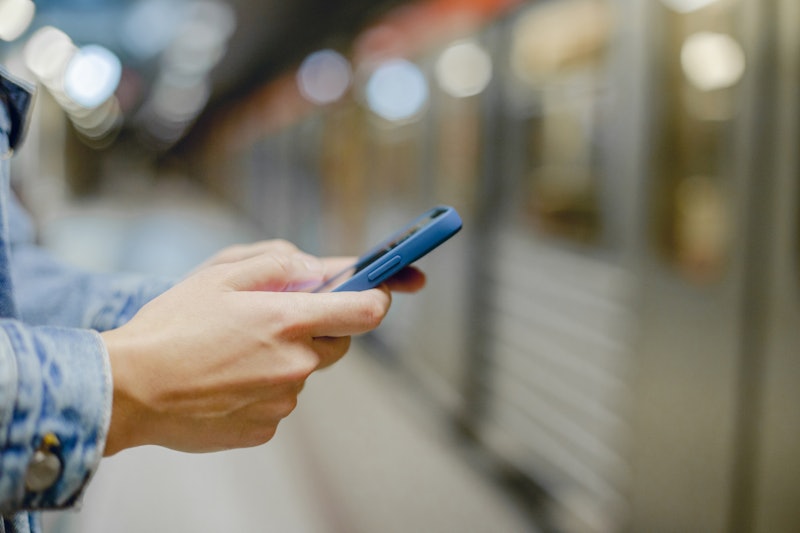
pixel 384 268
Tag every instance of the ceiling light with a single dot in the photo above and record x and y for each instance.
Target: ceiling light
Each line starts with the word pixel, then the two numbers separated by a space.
pixel 464 69
pixel 687 6
pixel 92 76
pixel 324 77
pixel 397 90
pixel 712 61
pixel 15 17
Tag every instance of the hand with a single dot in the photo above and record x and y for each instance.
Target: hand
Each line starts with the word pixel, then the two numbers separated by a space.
pixel 217 361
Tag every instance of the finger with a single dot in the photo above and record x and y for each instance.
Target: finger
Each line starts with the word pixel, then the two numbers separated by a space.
pixel 338 314
pixel 333 266
pixel 331 349
pixel 240 252
pixel 410 279
pixel 273 272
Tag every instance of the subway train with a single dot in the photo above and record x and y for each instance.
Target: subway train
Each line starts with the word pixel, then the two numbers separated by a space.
pixel 614 336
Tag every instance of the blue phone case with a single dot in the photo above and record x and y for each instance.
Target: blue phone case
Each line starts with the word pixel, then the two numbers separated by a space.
pixel 397 251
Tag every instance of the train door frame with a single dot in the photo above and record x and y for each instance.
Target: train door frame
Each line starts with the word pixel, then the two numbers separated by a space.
pixel 770 484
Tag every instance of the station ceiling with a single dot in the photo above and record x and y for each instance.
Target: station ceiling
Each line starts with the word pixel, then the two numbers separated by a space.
pixel 269 34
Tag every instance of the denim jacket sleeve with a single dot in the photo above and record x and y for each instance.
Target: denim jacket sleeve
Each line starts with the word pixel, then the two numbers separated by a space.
pixel 55 377
pixel 50 292
pixel 53 381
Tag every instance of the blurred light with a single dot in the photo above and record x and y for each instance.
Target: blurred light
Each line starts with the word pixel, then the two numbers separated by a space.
pixel 687 6
pixel 101 124
pixel 324 77
pixel 92 76
pixel 47 53
pixel 185 58
pixel 176 103
pixel 201 39
pixel 552 38
pixel 464 69
pixel 217 19
pixel 172 109
pixel 702 226
pixel 397 90
pixel 15 17
pixel 198 41
pixel 712 61
pixel 150 26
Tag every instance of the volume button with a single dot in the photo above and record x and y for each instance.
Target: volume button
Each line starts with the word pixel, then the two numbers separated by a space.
pixel 381 270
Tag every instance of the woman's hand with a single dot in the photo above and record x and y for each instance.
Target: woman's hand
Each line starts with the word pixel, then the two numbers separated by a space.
pixel 217 361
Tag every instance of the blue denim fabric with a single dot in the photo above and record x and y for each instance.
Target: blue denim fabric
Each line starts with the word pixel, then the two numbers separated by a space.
pixel 54 370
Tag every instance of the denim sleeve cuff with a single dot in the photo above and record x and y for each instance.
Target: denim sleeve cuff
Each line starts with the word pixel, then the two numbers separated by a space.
pixel 58 381
pixel 127 294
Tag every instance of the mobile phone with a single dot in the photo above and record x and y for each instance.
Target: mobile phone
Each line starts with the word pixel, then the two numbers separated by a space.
pixel 397 251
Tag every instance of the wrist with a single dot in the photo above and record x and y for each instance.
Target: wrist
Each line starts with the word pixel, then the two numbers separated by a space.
pixel 126 427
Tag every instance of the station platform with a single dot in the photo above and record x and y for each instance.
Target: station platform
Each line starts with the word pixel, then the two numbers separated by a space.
pixel 360 454
pixel 354 457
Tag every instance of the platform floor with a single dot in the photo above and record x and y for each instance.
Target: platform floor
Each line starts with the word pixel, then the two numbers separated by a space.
pixel 354 457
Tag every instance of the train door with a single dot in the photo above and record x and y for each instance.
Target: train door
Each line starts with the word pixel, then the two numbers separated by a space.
pixel 709 446
pixel 626 353
pixel 554 303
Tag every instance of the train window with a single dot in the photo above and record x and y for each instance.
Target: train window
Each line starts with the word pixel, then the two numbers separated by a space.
pixel 703 67
pixel 344 179
pixel 558 54
pixel 462 71
pixel 457 151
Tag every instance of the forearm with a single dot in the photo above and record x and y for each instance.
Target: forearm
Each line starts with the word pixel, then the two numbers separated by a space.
pixel 55 387
pixel 49 292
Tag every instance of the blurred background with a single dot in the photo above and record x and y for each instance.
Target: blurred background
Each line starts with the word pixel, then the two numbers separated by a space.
pixel 611 344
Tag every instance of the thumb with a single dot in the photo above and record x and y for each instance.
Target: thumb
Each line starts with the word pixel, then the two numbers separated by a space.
pixel 274 272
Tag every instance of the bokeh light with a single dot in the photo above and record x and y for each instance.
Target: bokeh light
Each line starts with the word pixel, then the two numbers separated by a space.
pixel 464 69
pixel 47 54
pixel 324 77
pixel 397 90
pixel 149 27
pixel 687 6
pixel 92 76
pixel 712 61
pixel 15 17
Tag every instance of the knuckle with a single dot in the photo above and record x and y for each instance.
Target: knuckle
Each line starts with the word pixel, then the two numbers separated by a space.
pixel 335 349
pixel 282 245
pixel 234 252
pixel 259 435
pixel 296 366
pixel 285 407
pixel 374 312
pixel 344 345
pixel 281 261
pixel 304 366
